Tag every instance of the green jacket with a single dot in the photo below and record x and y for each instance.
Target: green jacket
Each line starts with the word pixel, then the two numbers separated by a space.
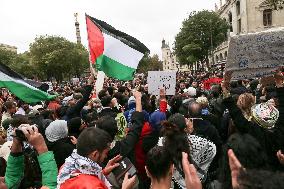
pixel 15 170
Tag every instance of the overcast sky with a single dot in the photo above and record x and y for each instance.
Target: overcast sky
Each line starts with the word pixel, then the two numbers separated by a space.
pixel 148 20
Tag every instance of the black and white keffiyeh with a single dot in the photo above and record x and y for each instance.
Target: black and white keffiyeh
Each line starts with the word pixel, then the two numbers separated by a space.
pixel 202 153
pixel 76 165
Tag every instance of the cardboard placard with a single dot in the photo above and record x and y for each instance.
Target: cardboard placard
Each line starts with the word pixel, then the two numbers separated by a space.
pixel 161 79
pixel 256 55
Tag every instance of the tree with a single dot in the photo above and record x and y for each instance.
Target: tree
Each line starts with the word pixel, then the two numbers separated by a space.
pixel 22 64
pixel 56 57
pixel 7 57
pixel 201 32
pixel 149 63
pixel 276 4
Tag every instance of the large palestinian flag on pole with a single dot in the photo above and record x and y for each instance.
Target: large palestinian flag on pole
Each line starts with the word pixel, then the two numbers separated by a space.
pixel 19 87
pixel 115 53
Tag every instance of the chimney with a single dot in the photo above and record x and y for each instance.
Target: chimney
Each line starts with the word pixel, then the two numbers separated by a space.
pixel 77 26
pixel 220 3
pixel 216 8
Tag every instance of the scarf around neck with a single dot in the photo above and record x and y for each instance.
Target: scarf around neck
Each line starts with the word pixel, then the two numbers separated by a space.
pixel 76 165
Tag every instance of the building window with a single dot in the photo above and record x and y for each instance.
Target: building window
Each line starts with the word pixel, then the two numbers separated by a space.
pixel 217 58
pixel 238 6
pixel 221 56
pixel 239 26
pixel 231 21
pixel 226 55
pixel 267 17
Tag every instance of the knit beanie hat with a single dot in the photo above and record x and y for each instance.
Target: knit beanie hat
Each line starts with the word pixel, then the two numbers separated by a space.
pixel 131 102
pixel 56 130
pixel 156 118
pixel 178 120
pixel 191 91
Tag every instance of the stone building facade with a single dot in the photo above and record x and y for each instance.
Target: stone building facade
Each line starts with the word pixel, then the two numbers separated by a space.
pixel 170 62
pixel 245 16
pixel 8 47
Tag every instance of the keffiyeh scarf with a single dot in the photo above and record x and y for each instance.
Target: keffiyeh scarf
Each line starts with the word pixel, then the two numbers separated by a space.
pixel 76 165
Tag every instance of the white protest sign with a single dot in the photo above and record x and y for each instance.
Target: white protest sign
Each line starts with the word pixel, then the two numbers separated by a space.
pixel 256 55
pixel 75 81
pixel 161 79
pixel 100 81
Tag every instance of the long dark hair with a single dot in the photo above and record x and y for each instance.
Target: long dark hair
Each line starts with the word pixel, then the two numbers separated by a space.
pixel 176 141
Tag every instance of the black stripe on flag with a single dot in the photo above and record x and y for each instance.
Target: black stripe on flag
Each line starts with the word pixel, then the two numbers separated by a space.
pixel 123 37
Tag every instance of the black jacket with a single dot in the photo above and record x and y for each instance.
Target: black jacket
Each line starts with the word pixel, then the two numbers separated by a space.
pixel 271 140
pixel 61 149
pixel 75 111
pixel 125 147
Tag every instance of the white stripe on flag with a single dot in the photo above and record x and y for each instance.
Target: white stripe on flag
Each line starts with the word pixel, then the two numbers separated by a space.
pixel 120 52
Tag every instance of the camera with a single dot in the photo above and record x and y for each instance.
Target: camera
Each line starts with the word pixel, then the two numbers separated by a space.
pixel 20 134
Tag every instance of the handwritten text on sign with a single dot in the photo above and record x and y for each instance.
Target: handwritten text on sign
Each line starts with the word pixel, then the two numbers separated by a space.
pixel 161 79
pixel 255 55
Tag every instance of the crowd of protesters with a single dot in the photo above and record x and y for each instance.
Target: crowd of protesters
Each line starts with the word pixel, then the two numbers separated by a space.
pixel 228 136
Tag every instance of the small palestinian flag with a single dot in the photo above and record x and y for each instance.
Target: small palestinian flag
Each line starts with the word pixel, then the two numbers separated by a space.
pixel 115 53
pixel 19 87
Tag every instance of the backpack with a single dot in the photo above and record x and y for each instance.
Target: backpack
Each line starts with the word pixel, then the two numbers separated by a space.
pixel 121 125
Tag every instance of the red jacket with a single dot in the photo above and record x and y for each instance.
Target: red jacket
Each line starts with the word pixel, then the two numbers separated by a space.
pixel 140 155
pixel 163 106
pixel 83 182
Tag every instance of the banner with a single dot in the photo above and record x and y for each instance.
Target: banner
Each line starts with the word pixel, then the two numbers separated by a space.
pixel 161 79
pixel 256 55
pixel 207 83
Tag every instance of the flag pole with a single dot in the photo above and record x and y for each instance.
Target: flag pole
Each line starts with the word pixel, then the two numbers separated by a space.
pixel 100 75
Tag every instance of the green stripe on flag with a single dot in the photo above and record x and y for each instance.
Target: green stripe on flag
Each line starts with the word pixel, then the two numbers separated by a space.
pixel 25 93
pixel 114 69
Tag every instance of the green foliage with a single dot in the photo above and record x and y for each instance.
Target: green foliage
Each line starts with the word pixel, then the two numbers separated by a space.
pixel 22 65
pixel 201 32
pixel 49 57
pixel 7 57
pixel 276 4
pixel 149 63
pixel 56 57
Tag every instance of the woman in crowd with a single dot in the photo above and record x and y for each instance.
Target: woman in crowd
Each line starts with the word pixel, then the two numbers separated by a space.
pixel 177 138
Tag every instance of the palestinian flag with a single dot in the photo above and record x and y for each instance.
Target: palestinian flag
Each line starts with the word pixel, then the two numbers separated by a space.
pixel 19 87
pixel 115 53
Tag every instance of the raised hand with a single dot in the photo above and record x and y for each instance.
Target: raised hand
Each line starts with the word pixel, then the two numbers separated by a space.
pixel 35 139
pixel 128 183
pixel 279 79
pixel 91 79
pixel 280 157
pixel 191 177
pixel 226 82
pixel 235 167
pixel 137 95
pixel 112 164
pixel 73 140
pixel 162 93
